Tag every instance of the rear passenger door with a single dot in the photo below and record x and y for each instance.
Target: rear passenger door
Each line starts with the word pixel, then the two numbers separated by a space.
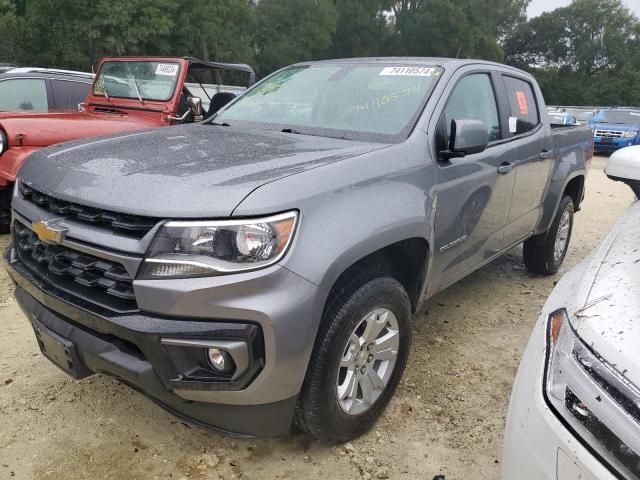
pixel 533 146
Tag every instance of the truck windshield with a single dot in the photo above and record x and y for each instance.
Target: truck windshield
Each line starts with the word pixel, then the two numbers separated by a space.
pixel 139 80
pixel 360 101
pixel 626 117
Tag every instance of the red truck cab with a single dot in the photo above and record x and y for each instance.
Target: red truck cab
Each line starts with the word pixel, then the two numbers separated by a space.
pixel 128 93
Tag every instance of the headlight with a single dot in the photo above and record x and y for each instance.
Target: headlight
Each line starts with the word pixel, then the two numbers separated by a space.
pixel 200 249
pixel 598 403
pixel 631 134
pixel 3 142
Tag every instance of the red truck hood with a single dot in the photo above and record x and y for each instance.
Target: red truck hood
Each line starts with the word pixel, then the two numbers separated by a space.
pixel 44 129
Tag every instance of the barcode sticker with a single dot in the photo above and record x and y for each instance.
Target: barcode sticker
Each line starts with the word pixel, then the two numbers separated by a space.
pixel 170 69
pixel 409 71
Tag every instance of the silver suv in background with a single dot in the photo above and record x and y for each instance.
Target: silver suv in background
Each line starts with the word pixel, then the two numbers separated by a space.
pixel 29 89
pixel 263 266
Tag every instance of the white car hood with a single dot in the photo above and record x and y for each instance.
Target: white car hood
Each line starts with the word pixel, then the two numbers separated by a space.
pixel 606 314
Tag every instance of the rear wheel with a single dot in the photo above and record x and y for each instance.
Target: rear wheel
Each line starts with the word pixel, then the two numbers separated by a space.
pixel 5 209
pixel 545 253
pixel 360 353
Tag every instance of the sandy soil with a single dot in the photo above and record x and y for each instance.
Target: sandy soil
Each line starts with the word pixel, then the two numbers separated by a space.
pixel 446 419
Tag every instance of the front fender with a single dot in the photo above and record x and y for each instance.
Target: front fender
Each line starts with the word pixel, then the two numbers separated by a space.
pixel 11 161
pixel 351 208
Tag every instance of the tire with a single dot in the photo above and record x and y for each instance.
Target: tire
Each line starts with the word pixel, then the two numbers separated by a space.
pixel 540 255
pixel 5 209
pixel 366 301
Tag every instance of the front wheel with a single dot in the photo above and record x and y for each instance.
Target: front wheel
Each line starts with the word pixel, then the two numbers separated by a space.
pixel 358 359
pixel 545 253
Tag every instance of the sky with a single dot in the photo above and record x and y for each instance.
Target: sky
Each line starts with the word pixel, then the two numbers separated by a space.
pixel 536 7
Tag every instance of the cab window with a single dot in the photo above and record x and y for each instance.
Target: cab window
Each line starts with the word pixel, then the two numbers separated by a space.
pixel 522 102
pixel 473 98
pixel 23 94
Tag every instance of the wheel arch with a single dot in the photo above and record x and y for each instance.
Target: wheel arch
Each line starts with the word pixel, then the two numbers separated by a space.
pixel 405 260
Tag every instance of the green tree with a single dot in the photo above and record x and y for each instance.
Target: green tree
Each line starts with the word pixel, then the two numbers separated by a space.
pixel 10 33
pixel 290 31
pixel 216 30
pixel 455 28
pixel 362 29
pixel 585 53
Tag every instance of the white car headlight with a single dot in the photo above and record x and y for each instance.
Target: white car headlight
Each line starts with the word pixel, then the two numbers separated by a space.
pixel 595 401
pixel 631 134
pixel 184 249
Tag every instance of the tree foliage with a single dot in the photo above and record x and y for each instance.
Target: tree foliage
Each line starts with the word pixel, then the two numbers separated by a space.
pixel 587 52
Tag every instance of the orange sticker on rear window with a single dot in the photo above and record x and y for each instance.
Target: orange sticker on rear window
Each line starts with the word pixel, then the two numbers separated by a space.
pixel 522 103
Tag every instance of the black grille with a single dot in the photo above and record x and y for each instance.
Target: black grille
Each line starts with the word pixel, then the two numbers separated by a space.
pixel 129 225
pixel 91 278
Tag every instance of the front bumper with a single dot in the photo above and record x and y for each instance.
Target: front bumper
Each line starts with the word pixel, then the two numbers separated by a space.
pixel 537 445
pixel 129 347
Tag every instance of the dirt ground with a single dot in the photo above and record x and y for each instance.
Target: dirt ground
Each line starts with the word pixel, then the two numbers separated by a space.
pixel 447 417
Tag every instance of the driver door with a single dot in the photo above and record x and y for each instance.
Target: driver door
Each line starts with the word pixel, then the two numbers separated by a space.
pixel 473 197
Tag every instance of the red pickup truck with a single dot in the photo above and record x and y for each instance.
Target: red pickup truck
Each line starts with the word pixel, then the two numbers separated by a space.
pixel 128 93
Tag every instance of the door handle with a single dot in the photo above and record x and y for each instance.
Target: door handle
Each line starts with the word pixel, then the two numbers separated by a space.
pixel 505 168
pixel 546 155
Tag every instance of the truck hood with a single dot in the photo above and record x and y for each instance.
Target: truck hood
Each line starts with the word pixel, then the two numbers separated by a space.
pixel 44 129
pixel 607 317
pixel 187 171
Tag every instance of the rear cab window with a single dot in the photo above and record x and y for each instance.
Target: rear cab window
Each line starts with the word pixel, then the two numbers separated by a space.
pixel 525 115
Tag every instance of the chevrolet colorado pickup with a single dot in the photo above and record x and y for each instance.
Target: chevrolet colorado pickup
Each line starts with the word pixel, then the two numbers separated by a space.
pixel 260 269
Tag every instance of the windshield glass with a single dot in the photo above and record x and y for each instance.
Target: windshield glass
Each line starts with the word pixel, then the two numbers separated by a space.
pixel 625 117
pixel 346 101
pixel 137 80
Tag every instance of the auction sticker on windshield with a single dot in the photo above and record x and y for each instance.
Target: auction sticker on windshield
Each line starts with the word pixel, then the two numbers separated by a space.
pixel 410 71
pixel 170 69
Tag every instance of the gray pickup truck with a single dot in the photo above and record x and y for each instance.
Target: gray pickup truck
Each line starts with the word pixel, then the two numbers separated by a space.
pixel 260 269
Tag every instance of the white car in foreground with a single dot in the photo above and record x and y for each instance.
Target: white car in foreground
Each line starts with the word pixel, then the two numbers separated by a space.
pixel 575 407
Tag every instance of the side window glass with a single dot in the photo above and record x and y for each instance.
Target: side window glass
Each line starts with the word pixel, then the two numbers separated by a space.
pixel 68 94
pixel 522 102
pixel 473 98
pixel 23 94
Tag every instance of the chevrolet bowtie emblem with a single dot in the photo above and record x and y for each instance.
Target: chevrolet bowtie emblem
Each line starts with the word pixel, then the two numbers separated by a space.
pixel 51 231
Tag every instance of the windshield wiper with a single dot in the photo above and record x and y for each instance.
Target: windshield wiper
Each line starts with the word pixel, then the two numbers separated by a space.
pixel 290 130
pixel 217 124
pixel 135 84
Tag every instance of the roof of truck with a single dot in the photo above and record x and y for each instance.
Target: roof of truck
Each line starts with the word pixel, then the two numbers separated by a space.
pixel 432 61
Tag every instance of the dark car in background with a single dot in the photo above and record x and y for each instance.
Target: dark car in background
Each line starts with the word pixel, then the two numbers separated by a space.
pixel 42 89
pixel 615 128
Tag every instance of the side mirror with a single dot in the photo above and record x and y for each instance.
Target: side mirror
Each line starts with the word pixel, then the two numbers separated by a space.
pixel 624 166
pixel 195 105
pixel 468 136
